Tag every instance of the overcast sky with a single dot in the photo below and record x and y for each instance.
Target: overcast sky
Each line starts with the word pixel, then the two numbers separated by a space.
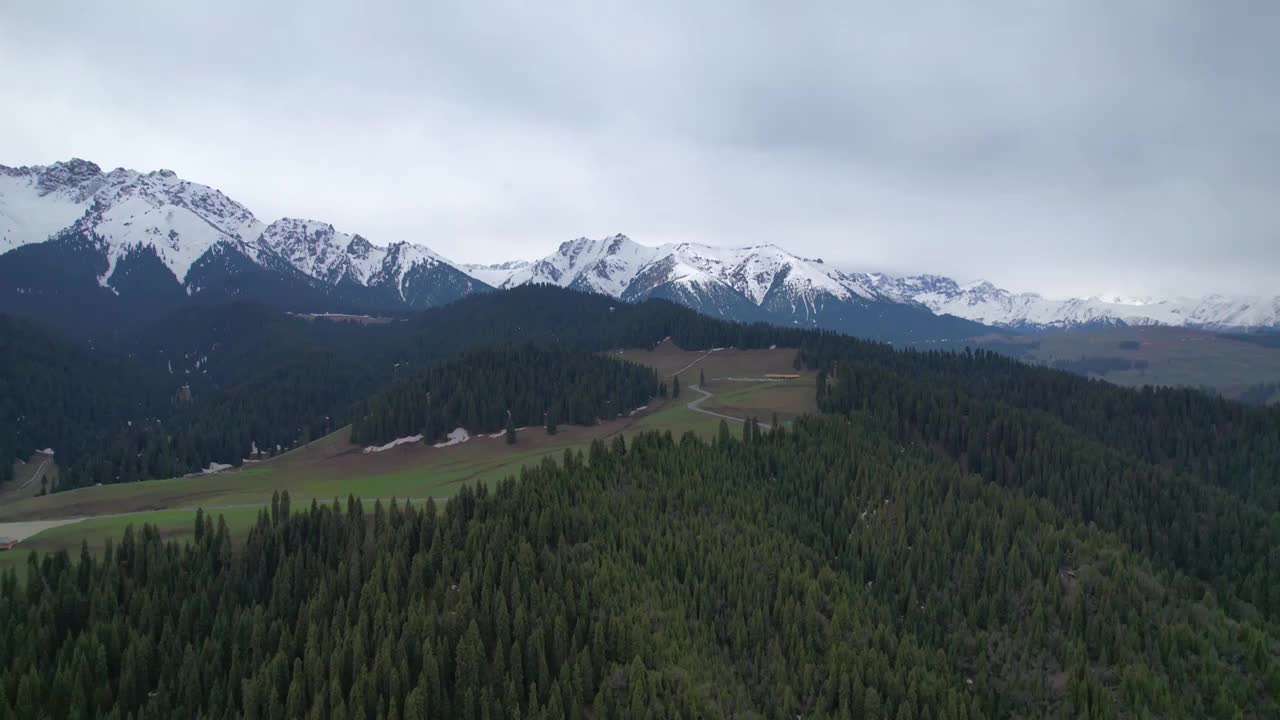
pixel 1065 147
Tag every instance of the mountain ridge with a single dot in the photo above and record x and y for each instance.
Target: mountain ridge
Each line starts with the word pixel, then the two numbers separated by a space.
pixel 68 227
pixel 609 265
pixel 75 235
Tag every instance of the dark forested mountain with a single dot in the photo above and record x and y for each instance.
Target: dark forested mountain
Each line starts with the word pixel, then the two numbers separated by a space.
pixel 57 395
pixel 823 572
pixel 221 381
pixel 957 535
pixel 1191 480
pixel 483 390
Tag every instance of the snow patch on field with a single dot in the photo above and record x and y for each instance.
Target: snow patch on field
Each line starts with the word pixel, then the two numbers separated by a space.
pixel 394 443
pixel 215 468
pixel 24 530
pixel 642 408
pixel 457 437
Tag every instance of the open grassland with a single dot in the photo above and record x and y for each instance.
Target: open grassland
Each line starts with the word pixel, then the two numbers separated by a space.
pixel 1160 355
pixel 30 478
pixel 94 532
pixel 331 467
pixel 732 377
pixel 328 468
pixel 669 359
pixel 788 398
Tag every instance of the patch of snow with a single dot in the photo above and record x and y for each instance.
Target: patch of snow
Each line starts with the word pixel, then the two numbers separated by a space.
pixel 458 436
pixel 215 468
pixel 46 451
pixel 394 443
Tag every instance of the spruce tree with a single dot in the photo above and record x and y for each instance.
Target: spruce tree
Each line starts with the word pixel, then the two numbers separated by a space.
pixel 511 429
pixel 675 386
pixel 551 422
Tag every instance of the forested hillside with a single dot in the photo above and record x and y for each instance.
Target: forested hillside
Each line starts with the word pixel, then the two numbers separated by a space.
pixel 54 394
pixel 484 390
pixel 1189 479
pixel 823 572
pixel 209 385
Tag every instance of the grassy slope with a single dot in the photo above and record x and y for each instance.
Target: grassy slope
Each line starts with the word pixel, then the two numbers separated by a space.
pixel 1175 356
pixel 331 467
pixel 175 524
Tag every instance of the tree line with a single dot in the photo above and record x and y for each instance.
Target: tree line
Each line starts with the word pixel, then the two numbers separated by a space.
pixel 826 571
pixel 1190 480
pixel 486 390
pixel 210 384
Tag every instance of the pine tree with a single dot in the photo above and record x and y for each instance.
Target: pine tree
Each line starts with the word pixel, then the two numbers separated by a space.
pixel 551 422
pixel 675 386
pixel 511 429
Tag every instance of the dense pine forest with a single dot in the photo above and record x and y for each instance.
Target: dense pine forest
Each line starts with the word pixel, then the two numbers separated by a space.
pixel 53 394
pixel 211 384
pixel 828 571
pixel 482 391
pixel 1189 479
pixel 957 535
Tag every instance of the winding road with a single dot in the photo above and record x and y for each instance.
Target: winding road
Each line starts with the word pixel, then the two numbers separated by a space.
pixel 38 473
pixel 696 406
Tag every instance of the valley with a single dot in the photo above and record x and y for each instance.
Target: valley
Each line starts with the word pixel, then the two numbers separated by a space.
pixel 652 361
pixel 332 467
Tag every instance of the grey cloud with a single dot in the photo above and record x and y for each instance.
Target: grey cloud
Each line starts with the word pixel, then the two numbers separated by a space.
pixel 1069 147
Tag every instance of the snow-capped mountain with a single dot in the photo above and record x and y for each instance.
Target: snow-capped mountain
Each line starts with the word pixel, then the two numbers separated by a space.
pixel 36 202
pixel 985 303
pixel 758 282
pixel 78 244
pixel 768 283
pixel 623 268
pixel 153 237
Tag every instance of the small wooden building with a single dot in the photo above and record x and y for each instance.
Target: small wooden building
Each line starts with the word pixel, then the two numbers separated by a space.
pixel 7 543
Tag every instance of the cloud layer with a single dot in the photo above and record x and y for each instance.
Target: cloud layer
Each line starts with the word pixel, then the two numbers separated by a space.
pixel 1069 148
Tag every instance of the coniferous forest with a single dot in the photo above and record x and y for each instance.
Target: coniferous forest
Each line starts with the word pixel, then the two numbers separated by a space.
pixel 954 535
pixel 823 572
pixel 209 385
pixel 480 390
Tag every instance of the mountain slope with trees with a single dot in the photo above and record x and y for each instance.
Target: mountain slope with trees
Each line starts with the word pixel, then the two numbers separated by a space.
pixel 483 391
pixel 822 572
pixel 214 383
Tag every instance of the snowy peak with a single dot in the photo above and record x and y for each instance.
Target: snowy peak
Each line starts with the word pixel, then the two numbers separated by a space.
pixel 123 212
pixel 983 302
pixel 605 266
pixel 621 267
pixel 36 202
pixel 75 179
pixel 180 220
pixel 316 248
pixel 324 253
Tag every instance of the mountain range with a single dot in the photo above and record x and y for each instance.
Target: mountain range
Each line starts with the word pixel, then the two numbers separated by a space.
pixel 87 250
